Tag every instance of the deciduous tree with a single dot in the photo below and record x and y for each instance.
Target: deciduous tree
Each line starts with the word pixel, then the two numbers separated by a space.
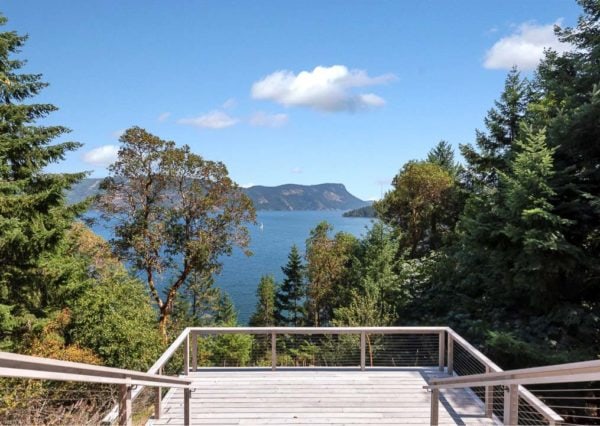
pixel 174 213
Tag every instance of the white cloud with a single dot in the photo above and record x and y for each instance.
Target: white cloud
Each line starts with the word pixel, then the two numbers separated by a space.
pixel 323 89
pixel 101 156
pixel 262 119
pixel 163 117
pixel 524 48
pixel 247 185
pixel 297 170
pixel 212 120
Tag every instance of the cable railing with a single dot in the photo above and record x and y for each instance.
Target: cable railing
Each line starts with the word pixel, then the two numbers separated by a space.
pixel 568 393
pixel 15 369
pixel 465 360
pixel 345 347
pixel 439 350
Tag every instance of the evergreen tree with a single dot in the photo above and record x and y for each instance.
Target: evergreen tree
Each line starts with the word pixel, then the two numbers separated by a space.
pixel 264 314
pixel 290 309
pixel 494 148
pixel 541 255
pixel 443 155
pixel 33 212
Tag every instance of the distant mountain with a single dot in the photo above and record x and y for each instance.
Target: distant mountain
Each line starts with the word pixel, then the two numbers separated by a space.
pixel 326 196
pixel 366 211
pixel 82 190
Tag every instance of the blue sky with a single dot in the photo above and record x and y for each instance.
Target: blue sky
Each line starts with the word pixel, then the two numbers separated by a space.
pixel 280 91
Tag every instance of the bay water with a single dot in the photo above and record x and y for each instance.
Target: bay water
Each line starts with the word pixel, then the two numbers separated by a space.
pixel 271 240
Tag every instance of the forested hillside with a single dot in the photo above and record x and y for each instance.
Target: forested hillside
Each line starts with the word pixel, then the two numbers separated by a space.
pixel 504 246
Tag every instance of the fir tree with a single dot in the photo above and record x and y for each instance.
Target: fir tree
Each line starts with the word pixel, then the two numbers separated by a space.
pixel 494 147
pixel 34 215
pixel 264 315
pixel 289 302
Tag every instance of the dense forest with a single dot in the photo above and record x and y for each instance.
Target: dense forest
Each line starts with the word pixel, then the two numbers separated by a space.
pixel 502 246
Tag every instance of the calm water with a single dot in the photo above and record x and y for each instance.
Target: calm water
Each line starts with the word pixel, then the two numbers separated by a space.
pixel 270 246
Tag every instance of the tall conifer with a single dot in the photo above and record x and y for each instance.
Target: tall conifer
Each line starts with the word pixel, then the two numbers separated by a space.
pixel 289 302
pixel 33 212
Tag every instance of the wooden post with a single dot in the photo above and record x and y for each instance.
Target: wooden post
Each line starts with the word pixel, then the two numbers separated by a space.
pixel 125 405
pixel 158 399
pixel 435 405
pixel 511 405
pixel 450 355
pixel 187 394
pixel 273 351
pixel 489 398
pixel 442 350
pixel 195 352
pixel 186 356
pixel 363 350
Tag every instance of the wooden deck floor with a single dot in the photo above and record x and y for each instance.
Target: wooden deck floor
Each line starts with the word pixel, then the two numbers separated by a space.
pixel 318 397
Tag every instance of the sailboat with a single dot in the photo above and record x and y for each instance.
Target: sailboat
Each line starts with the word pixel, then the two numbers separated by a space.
pixel 261 226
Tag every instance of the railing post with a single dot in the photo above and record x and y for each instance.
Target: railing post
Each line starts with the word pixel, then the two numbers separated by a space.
pixel 158 399
pixel 187 393
pixel 186 355
pixel 273 351
pixel 450 355
pixel 442 350
pixel 195 352
pixel 511 405
pixel 435 404
pixel 489 398
pixel 363 349
pixel 125 405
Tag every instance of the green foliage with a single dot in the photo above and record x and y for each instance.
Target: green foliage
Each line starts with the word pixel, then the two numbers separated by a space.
pixel 265 312
pixel 416 205
pixel 33 212
pixel 114 318
pixel 329 272
pixel 174 211
pixel 290 309
pixel 494 147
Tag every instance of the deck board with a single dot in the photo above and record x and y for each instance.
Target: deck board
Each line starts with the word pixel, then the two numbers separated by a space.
pixel 318 397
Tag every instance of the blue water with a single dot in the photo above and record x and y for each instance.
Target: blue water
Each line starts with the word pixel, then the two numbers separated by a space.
pixel 270 246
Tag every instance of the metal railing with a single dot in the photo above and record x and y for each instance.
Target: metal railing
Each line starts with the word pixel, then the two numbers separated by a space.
pixel 353 347
pixel 466 360
pixel 30 367
pixel 511 385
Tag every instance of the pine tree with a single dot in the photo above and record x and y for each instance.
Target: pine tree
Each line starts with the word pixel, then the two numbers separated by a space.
pixel 34 215
pixel 289 302
pixel 264 314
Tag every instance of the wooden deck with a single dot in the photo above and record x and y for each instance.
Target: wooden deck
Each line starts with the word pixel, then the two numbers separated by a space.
pixel 318 397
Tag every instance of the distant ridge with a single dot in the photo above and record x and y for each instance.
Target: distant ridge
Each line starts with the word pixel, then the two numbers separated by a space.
pixel 289 197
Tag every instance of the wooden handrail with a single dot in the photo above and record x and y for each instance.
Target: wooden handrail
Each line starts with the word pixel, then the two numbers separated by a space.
pixel 113 414
pixel 72 377
pixel 586 371
pixel 492 367
pixel 318 330
pixel 33 367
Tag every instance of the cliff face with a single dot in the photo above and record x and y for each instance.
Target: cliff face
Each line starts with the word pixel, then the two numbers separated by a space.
pixel 325 196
